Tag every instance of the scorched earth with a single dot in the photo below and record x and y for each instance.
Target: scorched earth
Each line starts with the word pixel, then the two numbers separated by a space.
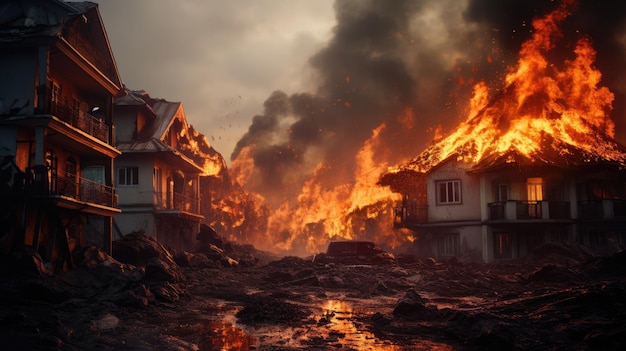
pixel 233 297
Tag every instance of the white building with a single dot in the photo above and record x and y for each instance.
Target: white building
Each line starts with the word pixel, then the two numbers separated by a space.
pixel 504 206
pixel 158 185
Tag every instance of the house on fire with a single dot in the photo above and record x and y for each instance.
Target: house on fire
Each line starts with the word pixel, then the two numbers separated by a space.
pixel 158 184
pixel 59 80
pixel 506 204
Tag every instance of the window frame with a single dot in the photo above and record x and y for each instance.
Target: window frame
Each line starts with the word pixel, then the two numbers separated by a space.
pixel 449 245
pixel 449 184
pixel 128 174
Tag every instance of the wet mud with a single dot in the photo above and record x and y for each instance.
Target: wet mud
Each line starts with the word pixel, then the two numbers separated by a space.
pixel 560 299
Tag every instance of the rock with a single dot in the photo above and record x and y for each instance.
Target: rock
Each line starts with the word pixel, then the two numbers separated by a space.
pixel 162 271
pixel 208 236
pixel 138 249
pixel 200 260
pixel 413 307
pixel 183 258
pixel 106 322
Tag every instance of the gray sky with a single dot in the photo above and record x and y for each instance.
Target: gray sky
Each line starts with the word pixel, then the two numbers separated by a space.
pixel 222 59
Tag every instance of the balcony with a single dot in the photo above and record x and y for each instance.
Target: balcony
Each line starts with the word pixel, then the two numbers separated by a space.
pixel 410 214
pixel 81 120
pixel 528 210
pixel 602 209
pixel 175 201
pixel 46 183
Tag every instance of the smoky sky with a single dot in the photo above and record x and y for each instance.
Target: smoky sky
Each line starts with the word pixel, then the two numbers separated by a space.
pixel 410 65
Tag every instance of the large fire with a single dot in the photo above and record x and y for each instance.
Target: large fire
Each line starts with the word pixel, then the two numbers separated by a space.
pixel 349 211
pixel 542 106
pixel 544 111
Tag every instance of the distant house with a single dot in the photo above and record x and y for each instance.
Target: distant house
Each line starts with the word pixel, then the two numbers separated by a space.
pixel 59 80
pixel 158 185
pixel 506 204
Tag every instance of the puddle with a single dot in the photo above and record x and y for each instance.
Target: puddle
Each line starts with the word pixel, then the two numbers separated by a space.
pixel 335 324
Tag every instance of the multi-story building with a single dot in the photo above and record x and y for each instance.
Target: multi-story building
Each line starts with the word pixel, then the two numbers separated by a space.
pixel 505 205
pixel 59 80
pixel 158 185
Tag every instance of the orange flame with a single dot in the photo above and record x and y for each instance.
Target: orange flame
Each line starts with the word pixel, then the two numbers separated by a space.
pixel 541 103
pixel 324 212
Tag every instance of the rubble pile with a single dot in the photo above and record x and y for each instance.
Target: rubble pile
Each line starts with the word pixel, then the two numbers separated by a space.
pixel 142 298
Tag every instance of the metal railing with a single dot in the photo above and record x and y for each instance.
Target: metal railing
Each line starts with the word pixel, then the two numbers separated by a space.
pixel 87 123
pixel 523 210
pixel 528 209
pixel 411 214
pixel 497 210
pixel 176 201
pixel 590 209
pixel 46 183
pixel 601 209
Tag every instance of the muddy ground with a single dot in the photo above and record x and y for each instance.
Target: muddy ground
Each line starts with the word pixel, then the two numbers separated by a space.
pixel 235 298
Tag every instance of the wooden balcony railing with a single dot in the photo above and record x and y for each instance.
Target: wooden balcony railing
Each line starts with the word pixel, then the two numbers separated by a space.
pixel 81 120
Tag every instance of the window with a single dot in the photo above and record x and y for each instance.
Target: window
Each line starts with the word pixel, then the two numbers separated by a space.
pixel 534 189
pixel 127 176
pixel 448 245
pixel 449 192
pixel 501 193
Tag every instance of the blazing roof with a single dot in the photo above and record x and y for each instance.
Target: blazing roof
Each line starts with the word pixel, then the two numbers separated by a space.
pixel 170 122
pixel 546 114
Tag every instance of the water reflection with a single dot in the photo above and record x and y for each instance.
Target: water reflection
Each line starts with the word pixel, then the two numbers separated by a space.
pixel 225 336
pixel 336 324
pixel 340 321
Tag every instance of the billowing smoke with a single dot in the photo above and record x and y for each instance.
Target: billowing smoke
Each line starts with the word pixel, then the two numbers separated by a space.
pixel 411 65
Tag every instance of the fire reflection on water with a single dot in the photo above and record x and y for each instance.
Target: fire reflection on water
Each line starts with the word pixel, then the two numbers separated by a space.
pixel 334 324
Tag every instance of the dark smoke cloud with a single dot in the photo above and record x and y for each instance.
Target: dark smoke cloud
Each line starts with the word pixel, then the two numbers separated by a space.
pixel 387 58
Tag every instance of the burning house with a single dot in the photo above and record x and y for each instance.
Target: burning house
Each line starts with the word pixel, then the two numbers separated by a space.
pixel 158 182
pixel 534 162
pixel 59 79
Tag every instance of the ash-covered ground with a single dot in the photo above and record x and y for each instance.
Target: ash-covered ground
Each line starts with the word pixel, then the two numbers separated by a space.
pixel 232 297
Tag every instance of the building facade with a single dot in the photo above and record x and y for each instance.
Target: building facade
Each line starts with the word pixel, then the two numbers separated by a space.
pixel 158 185
pixel 59 81
pixel 507 205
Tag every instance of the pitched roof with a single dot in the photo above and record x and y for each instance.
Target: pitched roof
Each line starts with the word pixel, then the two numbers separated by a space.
pixel 28 21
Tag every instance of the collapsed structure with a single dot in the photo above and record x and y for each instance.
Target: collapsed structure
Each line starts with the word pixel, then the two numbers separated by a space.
pixel 534 164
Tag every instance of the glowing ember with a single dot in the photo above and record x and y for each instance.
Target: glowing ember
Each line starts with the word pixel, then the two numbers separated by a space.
pixel 543 109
